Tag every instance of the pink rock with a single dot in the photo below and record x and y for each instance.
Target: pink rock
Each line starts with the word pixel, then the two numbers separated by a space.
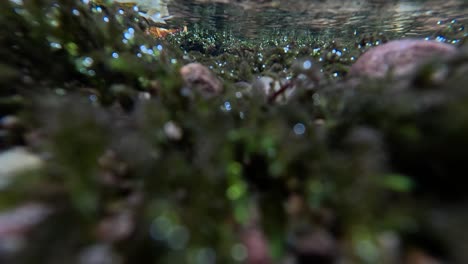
pixel 399 57
pixel 20 220
pixel 116 228
pixel 257 246
pixel 197 76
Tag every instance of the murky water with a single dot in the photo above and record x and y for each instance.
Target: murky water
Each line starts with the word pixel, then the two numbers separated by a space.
pixel 252 19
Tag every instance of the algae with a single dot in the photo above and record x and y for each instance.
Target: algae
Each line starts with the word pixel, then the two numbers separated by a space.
pixel 137 170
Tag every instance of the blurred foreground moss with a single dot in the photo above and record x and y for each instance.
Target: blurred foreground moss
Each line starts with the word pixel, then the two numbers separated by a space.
pixel 136 170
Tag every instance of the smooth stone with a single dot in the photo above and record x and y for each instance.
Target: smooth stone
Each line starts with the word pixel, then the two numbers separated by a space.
pixel 22 218
pixel 16 161
pixel 15 226
pixel 399 57
pixel 198 77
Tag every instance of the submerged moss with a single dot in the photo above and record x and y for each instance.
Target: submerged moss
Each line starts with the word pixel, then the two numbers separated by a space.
pixel 137 169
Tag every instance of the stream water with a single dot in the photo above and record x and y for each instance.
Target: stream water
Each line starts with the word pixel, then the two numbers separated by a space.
pixel 338 18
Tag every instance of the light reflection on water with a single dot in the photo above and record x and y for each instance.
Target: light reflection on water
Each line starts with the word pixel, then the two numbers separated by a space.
pixel 333 17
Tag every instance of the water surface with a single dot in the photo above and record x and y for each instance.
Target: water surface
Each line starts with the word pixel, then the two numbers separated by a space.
pixel 252 19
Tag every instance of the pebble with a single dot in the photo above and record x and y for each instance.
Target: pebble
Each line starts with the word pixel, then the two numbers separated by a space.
pixel 116 228
pixel 198 77
pixel 15 225
pixel 101 253
pixel 16 161
pixel 266 85
pixel 315 246
pixel 399 57
pixel 257 246
pixel 22 218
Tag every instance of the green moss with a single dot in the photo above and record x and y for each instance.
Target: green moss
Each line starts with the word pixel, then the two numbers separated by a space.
pixel 102 103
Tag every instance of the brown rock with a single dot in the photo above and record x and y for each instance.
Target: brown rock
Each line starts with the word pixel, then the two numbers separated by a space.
pixel 198 77
pixel 399 57
pixel 416 256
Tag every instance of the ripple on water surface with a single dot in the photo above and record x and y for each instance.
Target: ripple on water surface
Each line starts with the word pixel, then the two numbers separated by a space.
pixel 252 19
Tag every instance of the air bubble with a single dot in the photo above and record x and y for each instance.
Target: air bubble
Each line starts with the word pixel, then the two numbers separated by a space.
pixel 88 61
pixel 239 252
pixel 178 237
pixel 206 256
pixel 299 129
pixel 440 38
pixel 129 33
pixel 55 45
pixel 307 64
pixel 226 106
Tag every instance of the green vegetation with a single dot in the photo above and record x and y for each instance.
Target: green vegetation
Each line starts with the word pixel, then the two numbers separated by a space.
pixel 138 170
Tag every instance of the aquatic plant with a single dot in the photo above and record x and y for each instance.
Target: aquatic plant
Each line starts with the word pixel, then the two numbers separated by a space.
pixel 131 165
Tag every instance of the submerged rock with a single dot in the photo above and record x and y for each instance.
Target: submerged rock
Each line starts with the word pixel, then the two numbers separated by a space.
pixel 116 227
pixel 16 161
pixel 15 225
pixel 257 246
pixel 198 77
pixel 399 57
pixel 314 247
pixel 22 218
pixel 99 253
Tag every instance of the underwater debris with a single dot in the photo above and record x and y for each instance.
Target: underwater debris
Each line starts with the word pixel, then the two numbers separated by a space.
pixel 163 32
pixel 400 57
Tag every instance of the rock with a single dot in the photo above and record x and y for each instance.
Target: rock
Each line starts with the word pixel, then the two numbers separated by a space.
pixel 16 161
pixel 21 219
pixel 417 256
pixel 10 122
pixel 266 85
pixel 15 226
pixel 399 57
pixel 173 131
pixel 11 131
pixel 314 247
pixel 257 246
pixel 198 77
pixel 116 227
pixel 273 90
pixel 99 254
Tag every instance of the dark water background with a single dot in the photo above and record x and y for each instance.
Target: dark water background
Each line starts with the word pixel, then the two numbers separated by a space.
pixel 337 18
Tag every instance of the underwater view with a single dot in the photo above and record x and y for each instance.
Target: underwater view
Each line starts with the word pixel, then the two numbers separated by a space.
pixel 233 131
